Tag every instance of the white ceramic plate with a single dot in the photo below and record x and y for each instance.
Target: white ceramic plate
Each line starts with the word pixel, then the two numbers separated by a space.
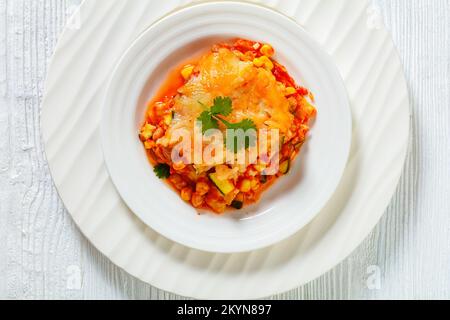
pixel 75 89
pixel 287 206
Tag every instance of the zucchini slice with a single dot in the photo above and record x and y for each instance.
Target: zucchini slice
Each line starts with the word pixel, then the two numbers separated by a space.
pixel 238 202
pixel 168 118
pixel 263 179
pixel 224 186
pixel 285 166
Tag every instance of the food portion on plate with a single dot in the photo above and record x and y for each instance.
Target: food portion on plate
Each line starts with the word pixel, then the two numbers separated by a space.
pixel 224 127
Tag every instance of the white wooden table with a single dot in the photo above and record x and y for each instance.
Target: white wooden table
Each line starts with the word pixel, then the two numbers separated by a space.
pixel 44 256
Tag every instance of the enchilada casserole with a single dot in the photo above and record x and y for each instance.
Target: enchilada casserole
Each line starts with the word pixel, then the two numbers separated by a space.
pixel 235 85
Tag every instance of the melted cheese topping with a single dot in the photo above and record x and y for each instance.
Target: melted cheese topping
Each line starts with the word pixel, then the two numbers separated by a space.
pixel 255 92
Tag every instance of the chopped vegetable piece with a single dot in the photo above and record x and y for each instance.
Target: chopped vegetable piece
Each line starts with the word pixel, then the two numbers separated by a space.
pixel 290 91
pixel 187 71
pixel 285 166
pixel 197 200
pixel 224 186
pixel 245 185
pixel 263 179
pixel 147 131
pixel 168 118
pixel 148 145
pixel 238 202
pixel 162 171
pixel 186 194
pixel 267 50
pixel 258 62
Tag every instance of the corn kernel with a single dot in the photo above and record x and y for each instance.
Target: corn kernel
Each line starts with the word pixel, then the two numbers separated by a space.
pixel 246 186
pixel 260 167
pixel 160 108
pixel 197 200
pixel 267 50
pixel 202 188
pixel 177 181
pixel 168 119
pixel 258 62
pixel 186 194
pixel 187 71
pixel 269 65
pixel 266 62
pixel 290 91
pixel 310 110
pixel 147 131
pixel 255 184
pixel 149 144
pixel 159 133
pixel 178 166
pixel 146 134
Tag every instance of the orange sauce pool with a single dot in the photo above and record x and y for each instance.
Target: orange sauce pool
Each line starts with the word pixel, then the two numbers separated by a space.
pixel 171 84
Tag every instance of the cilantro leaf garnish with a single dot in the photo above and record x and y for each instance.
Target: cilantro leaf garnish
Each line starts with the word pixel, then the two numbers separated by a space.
pixel 222 106
pixel 245 125
pixel 208 122
pixel 162 171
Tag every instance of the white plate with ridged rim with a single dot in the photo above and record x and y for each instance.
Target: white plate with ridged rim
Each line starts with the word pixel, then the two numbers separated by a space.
pixel 85 56
pixel 295 199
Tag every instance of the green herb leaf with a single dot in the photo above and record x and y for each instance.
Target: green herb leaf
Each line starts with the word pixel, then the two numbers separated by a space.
pixel 208 122
pixel 162 171
pixel 245 125
pixel 222 106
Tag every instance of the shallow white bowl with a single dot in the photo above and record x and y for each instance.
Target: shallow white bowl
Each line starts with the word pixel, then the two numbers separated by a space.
pixel 295 199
